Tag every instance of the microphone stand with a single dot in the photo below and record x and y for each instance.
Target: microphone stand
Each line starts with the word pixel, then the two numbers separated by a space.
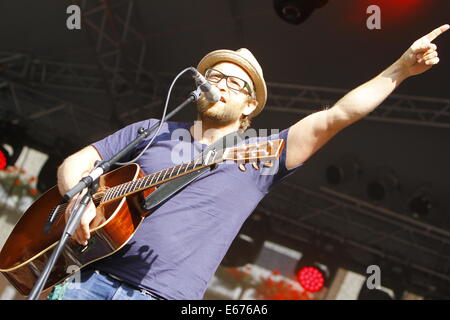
pixel 91 182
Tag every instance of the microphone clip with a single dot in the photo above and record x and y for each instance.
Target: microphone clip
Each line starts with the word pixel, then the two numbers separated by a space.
pixel 196 94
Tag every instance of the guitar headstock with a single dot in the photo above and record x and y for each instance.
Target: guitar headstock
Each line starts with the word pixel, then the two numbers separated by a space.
pixel 263 152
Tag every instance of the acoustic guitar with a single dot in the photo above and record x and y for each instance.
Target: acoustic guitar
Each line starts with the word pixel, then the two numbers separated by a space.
pixel 121 191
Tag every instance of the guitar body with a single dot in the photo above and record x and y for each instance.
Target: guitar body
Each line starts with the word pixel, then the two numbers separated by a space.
pixel 28 249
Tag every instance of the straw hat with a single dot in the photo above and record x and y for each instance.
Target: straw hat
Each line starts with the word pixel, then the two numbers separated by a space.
pixel 245 59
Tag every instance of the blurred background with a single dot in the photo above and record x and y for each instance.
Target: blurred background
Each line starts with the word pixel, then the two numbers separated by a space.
pixel 377 195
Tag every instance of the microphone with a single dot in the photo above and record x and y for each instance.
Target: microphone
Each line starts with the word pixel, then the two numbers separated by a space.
pixel 212 94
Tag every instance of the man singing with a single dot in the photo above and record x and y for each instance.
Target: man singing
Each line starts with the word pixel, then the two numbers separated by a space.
pixel 179 246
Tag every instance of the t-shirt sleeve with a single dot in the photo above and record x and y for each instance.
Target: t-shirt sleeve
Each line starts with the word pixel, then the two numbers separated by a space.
pixel 268 177
pixel 115 142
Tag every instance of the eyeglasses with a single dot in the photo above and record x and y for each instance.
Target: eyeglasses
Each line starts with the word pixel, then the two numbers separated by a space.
pixel 234 83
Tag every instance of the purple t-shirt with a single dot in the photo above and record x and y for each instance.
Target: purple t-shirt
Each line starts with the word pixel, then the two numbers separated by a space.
pixel 178 247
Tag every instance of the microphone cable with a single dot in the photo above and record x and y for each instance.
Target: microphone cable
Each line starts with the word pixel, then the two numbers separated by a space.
pixel 161 121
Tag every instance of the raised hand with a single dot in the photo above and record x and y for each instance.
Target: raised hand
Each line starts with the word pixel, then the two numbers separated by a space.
pixel 422 55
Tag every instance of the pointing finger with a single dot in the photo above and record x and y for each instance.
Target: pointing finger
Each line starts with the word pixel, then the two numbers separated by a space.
pixel 437 32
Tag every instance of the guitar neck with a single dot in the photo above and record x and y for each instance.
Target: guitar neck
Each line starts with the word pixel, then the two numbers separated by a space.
pixel 156 178
pixel 261 151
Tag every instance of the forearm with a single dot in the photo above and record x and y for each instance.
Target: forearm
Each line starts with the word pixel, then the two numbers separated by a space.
pixel 364 99
pixel 75 167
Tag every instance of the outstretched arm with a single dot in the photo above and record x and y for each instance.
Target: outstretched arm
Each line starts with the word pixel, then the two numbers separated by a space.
pixel 312 132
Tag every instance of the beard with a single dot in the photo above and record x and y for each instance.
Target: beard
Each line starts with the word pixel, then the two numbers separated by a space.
pixel 219 112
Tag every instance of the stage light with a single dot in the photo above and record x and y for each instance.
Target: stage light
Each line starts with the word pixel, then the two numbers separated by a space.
pixel 379 188
pixel 394 13
pixel 318 264
pixel 421 203
pixel 11 143
pixel 313 278
pixel 296 11
pixel 345 170
pixel 5 158
pixel 8 155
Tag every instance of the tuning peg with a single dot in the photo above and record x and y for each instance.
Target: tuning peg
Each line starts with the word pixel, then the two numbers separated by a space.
pixel 268 164
pixel 242 167
pixel 255 166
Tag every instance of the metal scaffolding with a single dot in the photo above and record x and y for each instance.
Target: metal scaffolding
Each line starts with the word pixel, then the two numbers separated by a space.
pixel 39 93
pixel 402 109
pixel 22 72
pixel 46 116
pixel 120 49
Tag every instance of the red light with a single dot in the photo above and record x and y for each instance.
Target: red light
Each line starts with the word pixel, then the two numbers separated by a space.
pixel 393 12
pixel 3 160
pixel 311 279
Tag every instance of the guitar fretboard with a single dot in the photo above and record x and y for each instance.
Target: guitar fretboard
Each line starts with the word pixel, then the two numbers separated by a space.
pixel 154 179
pixel 262 151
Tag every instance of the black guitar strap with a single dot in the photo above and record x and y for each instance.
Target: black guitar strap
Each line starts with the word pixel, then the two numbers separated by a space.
pixel 169 188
